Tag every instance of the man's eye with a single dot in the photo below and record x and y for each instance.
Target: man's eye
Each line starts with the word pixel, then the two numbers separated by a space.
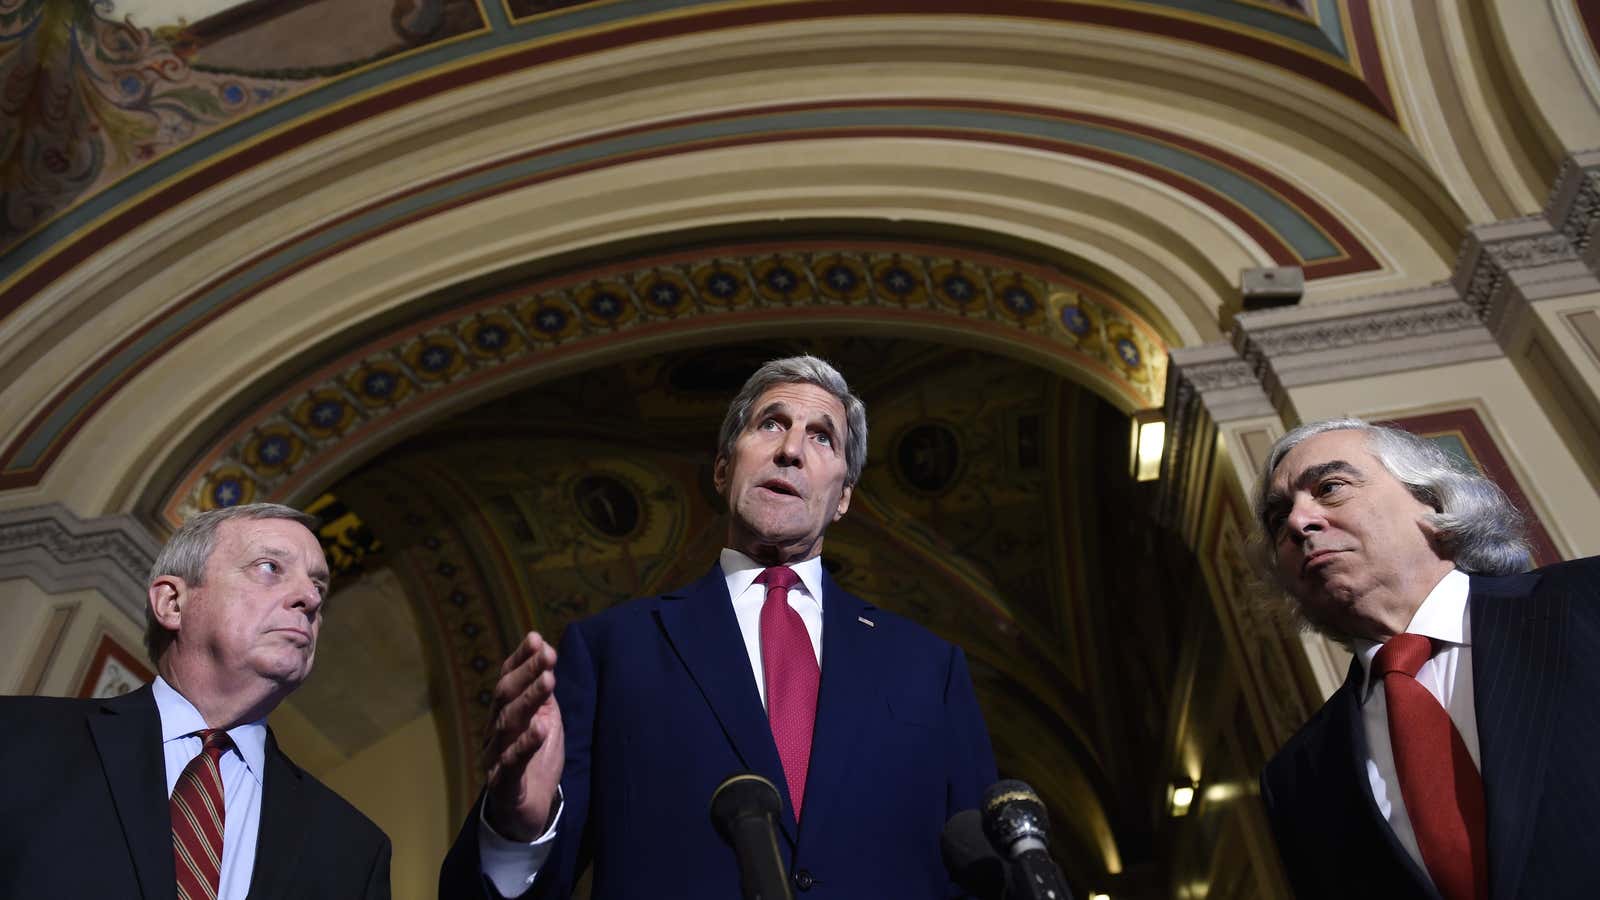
pixel 268 566
pixel 825 439
pixel 768 425
pixel 1328 487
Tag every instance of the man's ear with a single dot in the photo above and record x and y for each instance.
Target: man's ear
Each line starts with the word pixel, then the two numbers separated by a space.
pixel 168 595
pixel 719 475
pixel 844 502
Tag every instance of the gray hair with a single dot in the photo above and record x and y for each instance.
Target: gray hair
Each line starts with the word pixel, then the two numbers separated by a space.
pixel 1475 525
pixel 800 370
pixel 187 552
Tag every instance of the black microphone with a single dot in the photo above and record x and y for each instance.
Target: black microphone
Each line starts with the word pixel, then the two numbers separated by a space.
pixel 744 808
pixel 1016 823
pixel 970 857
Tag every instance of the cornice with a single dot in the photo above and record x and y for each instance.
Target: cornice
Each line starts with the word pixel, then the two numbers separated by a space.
pixel 50 546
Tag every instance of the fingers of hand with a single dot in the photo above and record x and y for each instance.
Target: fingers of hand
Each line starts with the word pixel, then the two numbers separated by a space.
pixel 536 662
pixel 532 644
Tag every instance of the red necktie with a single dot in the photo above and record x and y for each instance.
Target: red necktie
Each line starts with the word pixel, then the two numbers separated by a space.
pixel 790 666
pixel 197 817
pixel 1442 789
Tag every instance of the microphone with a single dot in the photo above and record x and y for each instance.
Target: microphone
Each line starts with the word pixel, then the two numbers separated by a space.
pixel 744 808
pixel 970 857
pixel 1016 823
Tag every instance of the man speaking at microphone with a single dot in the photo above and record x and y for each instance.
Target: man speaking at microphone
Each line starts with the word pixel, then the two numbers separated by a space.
pixel 866 723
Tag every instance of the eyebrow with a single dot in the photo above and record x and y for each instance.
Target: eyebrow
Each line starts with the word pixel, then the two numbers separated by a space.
pixel 317 574
pixel 1276 500
pixel 778 406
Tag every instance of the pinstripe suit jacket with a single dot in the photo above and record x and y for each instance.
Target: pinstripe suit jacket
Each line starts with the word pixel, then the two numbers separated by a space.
pixel 1536 677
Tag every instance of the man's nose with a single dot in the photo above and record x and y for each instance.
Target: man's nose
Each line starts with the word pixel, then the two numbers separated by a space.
pixel 307 596
pixel 791 448
pixel 1305 517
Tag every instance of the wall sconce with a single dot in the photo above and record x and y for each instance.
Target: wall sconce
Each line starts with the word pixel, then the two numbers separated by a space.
pixel 1149 435
pixel 1179 798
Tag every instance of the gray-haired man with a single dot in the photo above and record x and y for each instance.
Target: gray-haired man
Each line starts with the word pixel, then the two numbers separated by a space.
pixel 866 723
pixel 1457 760
pixel 179 789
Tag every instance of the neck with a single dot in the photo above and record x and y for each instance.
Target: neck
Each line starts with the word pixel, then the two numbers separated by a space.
pixel 775 554
pixel 1395 616
pixel 220 704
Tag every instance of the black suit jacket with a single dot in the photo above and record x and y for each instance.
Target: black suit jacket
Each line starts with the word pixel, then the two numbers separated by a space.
pixel 84 812
pixel 1536 683
pixel 660 705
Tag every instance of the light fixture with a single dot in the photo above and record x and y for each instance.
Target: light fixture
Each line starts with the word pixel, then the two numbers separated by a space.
pixel 1149 434
pixel 1099 896
pixel 1180 797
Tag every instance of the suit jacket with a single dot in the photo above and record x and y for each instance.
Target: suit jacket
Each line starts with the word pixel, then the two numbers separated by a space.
pixel 84 812
pixel 1536 683
pixel 660 705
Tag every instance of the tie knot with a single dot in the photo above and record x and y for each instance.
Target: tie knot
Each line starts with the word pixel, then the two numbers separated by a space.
pixel 781 577
pixel 1403 653
pixel 214 741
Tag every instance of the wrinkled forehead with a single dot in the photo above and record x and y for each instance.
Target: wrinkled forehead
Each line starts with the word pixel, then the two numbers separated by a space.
pixel 801 397
pixel 275 537
pixel 1345 445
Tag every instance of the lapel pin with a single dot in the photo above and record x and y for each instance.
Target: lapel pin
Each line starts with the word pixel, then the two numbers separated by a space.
pixel 866 621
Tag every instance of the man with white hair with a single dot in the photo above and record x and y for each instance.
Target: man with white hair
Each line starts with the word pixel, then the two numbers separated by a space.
pixel 1458 758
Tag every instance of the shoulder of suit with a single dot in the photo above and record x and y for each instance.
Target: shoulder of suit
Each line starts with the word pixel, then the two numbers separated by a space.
pixel 1581 575
pixel 1310 737
pixel 329 806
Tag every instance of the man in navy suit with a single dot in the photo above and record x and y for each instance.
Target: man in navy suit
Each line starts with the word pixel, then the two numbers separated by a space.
pixel 656 701
pixel 1457 760
pixel 236 602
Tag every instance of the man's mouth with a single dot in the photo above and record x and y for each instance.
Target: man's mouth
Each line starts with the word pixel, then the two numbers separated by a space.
pixel 779 486
pixel 1315 556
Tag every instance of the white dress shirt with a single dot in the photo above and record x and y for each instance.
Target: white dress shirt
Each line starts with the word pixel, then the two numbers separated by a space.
pixel 1447 675
pixel 511 865
pixel 242 769
pixel 805 598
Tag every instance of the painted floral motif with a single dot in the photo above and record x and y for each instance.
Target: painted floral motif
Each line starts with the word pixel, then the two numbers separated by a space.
pixel 85 99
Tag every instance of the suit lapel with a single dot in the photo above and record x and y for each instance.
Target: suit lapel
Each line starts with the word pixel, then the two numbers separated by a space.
pixel 844 707
pixel 127 735
pixel 1353 764
pixel 283 826
pixel 700 623
pixel 1518 651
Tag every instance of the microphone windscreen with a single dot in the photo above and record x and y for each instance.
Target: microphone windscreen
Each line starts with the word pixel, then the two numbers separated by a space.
pixel 742 795
pixel 1012 811
pixel 970 858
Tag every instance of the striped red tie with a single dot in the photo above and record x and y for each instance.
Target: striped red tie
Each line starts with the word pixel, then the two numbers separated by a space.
pixel 197 817
pixel 790 665
pixel 1441 787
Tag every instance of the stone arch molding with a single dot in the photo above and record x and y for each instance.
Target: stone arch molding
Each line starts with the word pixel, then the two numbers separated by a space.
pixel 295 439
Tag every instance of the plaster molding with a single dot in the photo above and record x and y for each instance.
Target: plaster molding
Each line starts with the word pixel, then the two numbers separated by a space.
pixel 1206 386
pixel 1574 206
pixel 50 546
pixel 1377 335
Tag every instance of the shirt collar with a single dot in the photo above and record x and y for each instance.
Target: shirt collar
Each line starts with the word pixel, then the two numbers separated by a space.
pixel 1442 617
pixel 741 572
pixel 179 719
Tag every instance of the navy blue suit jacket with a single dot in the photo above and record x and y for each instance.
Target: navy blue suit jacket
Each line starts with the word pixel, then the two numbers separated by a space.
pixel 1536 682
pixel 660 705
pixel 84 812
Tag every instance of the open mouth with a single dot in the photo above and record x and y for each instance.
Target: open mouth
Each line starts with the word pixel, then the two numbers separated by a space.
pixel 780 487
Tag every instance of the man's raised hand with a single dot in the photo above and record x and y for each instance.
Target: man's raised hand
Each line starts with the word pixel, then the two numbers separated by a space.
pixel 523 753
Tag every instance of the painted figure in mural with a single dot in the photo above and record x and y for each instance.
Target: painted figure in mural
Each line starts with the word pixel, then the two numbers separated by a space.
pixel 867 723
pixel 179 788
pixel 1456 760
